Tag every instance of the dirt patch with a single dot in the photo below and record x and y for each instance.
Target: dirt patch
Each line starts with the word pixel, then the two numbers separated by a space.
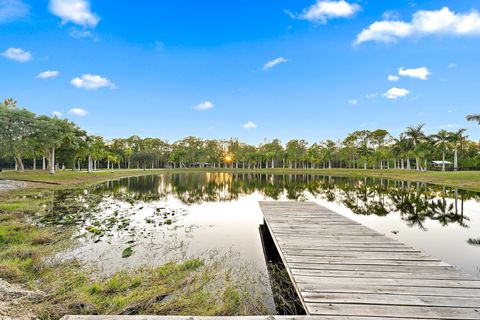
pixel 12 296
pixel 6 185
pixel 11 184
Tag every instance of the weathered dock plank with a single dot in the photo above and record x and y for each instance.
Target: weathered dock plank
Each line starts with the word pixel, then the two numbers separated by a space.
pixel 344 270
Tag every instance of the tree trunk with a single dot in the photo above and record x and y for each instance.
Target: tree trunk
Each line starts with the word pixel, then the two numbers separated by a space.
pixel 455 159
pixel 443 160
pixel 90 165
pixel 19 163
pixel 52 161
pixel 34 163
pixel 44 165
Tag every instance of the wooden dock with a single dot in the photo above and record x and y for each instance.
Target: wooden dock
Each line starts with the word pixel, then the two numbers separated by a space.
pixel 344 270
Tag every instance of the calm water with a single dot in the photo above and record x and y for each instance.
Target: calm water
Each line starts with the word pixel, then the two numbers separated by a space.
pixel 171 217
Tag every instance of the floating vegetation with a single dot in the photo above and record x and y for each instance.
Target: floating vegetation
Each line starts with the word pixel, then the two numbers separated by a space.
pixel 475 242
pixel 127 252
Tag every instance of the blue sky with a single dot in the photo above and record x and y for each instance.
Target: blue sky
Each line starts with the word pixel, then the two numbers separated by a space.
pixel 220 69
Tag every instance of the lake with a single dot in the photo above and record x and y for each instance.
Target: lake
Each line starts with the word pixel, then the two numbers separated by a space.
pixel 159 218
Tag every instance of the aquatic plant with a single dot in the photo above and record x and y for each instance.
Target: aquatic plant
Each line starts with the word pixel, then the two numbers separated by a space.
pixel 475 242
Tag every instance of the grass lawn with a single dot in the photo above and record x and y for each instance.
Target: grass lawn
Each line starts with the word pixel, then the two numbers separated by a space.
pixel 462 179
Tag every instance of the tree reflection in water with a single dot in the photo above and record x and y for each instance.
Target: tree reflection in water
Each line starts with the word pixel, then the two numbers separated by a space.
pixel 415 202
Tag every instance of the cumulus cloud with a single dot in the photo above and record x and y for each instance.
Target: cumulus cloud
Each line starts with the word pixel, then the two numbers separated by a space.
pixel 274 62
pixel 48 74
pixel 393 78
pixel 75 11
pixel 205 105
pixel 371 95
pixel 57 114
pixel 353 102
pixel 12 9
pixel 423 23
pixel 79 112
pixel 418 73
pixel 92 82
pixel 452 65
pixel 249 125
pixel 395 93
pixel 17 54
pixel 322 11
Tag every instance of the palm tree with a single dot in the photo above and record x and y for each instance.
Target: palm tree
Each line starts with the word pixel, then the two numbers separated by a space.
pixel 473 117
pixel 441 140
pixel 415 135
pixel 457 138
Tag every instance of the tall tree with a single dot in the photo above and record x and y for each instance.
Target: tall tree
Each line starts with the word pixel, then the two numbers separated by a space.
pixel 456 139
pixel 17 127
pixel 416 135
pixel 441 141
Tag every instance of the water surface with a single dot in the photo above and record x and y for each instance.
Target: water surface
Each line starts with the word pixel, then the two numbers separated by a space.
pixel 174 216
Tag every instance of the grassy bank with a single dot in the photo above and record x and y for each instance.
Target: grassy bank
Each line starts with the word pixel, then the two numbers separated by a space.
pixel 58 287
pixel 469 180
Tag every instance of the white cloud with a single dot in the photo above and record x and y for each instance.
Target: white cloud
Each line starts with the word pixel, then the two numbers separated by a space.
pixel 48 74
pixel 353 102
pixel 274 62
pixel 92 82
pixel 418 73
pixel 448 126
pixel 17 54
pixel 249 125
pixel 391 15
pixel 74 11
pixel 12 10
pixel 78 112
pixel 57 114
pixel 80 34
pixel 423 23
pixel 322 11
pixel 394 93
pixel 393 78
pixel 205 105
pixel 371 95
pixel 452 65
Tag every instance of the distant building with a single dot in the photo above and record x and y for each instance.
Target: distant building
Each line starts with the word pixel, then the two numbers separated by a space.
pixel 439 163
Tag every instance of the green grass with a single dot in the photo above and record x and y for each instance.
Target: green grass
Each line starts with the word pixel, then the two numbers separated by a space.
pixel 10 206
pixel 185 288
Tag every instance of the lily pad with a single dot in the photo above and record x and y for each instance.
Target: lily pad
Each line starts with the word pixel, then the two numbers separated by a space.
pixel 127 252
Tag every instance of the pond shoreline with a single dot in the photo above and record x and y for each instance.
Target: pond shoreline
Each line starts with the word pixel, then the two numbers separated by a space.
pixel 467 180
pixel 26 243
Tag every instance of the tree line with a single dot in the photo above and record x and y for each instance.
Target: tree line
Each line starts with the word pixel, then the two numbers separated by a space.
pixel 59 143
